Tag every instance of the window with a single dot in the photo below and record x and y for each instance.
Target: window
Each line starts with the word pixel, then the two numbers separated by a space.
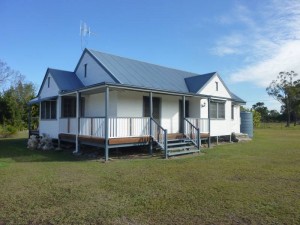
pixel 48 82
pixel 232 112
pixel 217 86
pixel 85 70
pixel 217 110
pixel 48 110
pixel 69 107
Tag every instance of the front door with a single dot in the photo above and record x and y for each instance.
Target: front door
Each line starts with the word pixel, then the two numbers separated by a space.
pixel 156 107
pixel 181 117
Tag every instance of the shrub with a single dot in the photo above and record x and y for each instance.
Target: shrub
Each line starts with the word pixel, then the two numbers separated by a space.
pixel 7 131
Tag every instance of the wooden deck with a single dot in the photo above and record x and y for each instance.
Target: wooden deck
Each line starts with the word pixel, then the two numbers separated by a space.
pixel 120 141
pixel 101 141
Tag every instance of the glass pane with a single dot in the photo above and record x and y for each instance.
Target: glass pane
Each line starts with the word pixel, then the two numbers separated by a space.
pixel 213 110
pixel 221 110
pixel 43 110
pixel 48 110
pixel 53 109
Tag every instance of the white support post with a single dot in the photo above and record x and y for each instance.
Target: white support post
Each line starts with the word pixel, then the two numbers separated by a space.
pixel 208 105
pixel 183 114
pixel 150 125
pixel 78 121
pixel 106 123
pixel 58 114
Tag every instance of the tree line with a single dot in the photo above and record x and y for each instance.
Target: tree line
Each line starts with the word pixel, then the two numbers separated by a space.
pixel 286 90
pixel 15 92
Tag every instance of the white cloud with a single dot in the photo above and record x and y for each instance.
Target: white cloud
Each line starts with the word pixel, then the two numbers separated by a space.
pixel 268 41
pixel 286 58
pixel 229 45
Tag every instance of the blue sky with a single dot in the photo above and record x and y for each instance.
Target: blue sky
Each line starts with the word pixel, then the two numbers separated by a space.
pixel 247 42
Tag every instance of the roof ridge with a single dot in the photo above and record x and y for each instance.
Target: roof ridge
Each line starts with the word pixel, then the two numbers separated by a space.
pixel 50 68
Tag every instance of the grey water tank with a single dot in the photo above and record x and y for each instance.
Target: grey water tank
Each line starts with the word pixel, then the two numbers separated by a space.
pixel 247 123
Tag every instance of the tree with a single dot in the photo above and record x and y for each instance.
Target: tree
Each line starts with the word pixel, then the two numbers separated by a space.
pixel 13 104
pixel 283 90
pixel 274 115
pixel 256 118
pixel 8 76
pixel 262 109
pixel 5 73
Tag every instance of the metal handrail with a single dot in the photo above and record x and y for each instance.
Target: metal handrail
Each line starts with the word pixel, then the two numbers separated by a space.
pixel 196 139
pixel 156 136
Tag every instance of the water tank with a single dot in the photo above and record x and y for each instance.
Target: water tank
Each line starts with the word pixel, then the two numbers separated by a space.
pixel 247 123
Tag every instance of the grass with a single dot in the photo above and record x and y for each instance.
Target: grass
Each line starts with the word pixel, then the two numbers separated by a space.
pixel 245 183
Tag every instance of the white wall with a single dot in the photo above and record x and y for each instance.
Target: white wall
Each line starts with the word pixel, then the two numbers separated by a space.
pixel 170 113
pixel 49 127
pixel 50 91
pixel 130 104
pixel 221 127
pixel 95 73
pixel 194 107
pixel 210 88
pixel 95 104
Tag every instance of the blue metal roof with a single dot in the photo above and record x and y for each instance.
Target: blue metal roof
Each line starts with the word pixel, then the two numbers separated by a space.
pixel 65 80
pixel 131 72
pixel 236 98
pixel 195 83
pixel 142 74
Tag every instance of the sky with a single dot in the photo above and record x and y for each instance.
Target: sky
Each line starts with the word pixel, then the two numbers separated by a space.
pixel 248 42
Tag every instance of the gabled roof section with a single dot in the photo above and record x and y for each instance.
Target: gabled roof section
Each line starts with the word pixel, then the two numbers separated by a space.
pixel 65 80
pixel 142 74
pixel 195 83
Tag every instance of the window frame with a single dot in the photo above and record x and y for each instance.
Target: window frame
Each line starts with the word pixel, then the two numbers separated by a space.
pixel 85 70
pixel 219 112
pixel 72 102
pixel 48 110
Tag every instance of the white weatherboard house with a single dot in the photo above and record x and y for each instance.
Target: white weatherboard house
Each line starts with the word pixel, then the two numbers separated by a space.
pixel 111 101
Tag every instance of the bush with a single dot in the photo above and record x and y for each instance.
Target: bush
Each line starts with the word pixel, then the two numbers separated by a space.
pixel 256 118
pixel 7 131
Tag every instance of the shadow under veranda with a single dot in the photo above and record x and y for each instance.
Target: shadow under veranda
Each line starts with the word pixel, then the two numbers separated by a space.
pixel 16 149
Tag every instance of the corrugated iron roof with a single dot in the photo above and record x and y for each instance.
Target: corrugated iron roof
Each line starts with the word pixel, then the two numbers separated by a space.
pixel 65 80
pixel 142 74
pixel 195 83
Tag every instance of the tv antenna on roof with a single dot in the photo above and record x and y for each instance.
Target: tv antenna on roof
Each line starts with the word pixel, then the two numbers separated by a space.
pixel 85 31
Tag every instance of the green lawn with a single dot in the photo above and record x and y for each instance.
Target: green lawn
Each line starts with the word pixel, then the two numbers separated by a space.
pixel 245 183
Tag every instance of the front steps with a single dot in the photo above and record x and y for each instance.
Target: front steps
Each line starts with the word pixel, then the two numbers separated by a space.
pixel 180 147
